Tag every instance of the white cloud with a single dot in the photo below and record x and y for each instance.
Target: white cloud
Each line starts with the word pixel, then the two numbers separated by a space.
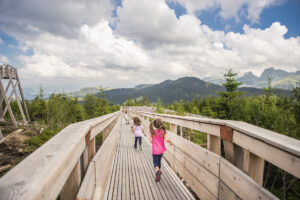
pixel 96 54
pixel 149 45
pixel 4 59
pixel 230 8
pixel 156 23
pixel 1 41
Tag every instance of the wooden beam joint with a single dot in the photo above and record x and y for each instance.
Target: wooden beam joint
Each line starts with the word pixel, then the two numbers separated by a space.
pixel 226 133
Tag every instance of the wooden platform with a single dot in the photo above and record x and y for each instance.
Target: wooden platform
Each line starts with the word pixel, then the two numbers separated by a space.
pixel 133 177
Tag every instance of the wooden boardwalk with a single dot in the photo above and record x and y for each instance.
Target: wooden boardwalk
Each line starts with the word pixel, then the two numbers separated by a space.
pixel 132 175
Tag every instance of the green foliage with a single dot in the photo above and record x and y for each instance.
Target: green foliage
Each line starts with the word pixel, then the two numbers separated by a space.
pixel 60 110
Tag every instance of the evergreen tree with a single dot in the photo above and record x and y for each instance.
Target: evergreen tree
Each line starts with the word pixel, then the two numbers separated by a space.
pixel 229 99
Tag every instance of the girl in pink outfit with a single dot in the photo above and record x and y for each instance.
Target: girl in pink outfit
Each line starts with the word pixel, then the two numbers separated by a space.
pixel 158 137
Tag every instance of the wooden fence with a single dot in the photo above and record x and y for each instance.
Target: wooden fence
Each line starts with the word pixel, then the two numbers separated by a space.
pixel 57 168
pixel 240 175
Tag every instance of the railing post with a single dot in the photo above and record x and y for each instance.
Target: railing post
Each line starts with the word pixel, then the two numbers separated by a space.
pixel 181 131
pixel 214 144
pixel 254 166
pixel 226 134
pixel 173 128
pixel 72 185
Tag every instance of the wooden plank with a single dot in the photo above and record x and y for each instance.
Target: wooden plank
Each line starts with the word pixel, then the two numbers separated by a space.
pixel 238 157
pixel 22 95
pixel 88 185
pixel 201 191
pixel 214 144
pixel 229 151
pixel 279 141
pixel 254 167
pixel 72 185
pixel 18 102
pixel 201 155
pixel 241 184
pixel 98 127
pixel 283 160
pixel 103 160
pixel 136 194
pixel 173 128
pixel 205 125
pixel 205 177
pixel 226 193
pixel 127 177
pixel 48 168
pixel 8 105
pixel 113 173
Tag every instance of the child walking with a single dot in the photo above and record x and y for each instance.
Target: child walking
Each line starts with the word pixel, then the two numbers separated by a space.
pixel 138 132
pixel 157 138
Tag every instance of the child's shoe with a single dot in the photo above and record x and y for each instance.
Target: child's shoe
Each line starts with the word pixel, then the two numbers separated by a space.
pixel 158 174
pixel 140 148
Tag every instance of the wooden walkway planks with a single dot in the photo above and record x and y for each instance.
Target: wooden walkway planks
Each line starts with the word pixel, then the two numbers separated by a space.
pixel 133 177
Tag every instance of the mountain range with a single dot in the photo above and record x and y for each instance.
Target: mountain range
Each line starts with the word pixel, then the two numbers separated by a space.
pixel 185 88
pixel 280 79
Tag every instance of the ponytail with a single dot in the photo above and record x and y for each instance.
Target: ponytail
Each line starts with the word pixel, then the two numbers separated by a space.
pixel 152 129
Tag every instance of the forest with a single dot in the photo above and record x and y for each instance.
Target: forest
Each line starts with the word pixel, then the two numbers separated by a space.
pixel 277 113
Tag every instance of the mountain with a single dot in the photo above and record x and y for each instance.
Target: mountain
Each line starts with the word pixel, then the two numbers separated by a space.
pixel 185 88
pixel 249 79
pixel 84 91
pixel 280 79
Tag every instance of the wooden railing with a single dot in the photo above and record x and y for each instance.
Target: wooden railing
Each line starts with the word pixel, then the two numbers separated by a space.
pixel 246 148
pixel 57 168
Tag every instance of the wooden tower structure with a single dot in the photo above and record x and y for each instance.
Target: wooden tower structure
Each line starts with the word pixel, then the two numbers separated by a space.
pixel 13 85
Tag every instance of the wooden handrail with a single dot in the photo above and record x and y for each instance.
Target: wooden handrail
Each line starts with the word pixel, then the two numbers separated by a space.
pixel 286 148
pixel 44 173
pixel 246 147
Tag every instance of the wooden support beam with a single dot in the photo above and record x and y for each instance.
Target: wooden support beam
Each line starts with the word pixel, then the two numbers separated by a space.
pixel 214 144
pixel 18 101
pixel 22 96
pixel 8 105
pixel 92 149
pixel 9 100
pixel 72 185
pixel 173 128
pixel 254 167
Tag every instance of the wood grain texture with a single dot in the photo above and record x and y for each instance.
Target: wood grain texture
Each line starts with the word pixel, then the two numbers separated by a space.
pixel 43 174
pixel 241 184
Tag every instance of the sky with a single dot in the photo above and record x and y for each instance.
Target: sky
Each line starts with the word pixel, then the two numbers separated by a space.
pixel 71 44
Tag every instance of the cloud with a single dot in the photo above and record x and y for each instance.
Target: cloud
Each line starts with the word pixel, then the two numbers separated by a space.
pixel 230 8
pixel 3 59
pixel 1 41
pixel 148 44
pixel 156 23
pixel 27 18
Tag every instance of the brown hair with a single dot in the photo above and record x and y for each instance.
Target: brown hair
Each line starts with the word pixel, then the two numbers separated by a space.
pixel 137 121
pixel 158 124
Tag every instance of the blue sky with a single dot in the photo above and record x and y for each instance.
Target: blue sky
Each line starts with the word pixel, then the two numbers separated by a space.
pixel 287 13
pixel 142 41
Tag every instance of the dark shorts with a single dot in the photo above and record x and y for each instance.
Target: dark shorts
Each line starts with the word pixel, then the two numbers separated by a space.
pixel 157 160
